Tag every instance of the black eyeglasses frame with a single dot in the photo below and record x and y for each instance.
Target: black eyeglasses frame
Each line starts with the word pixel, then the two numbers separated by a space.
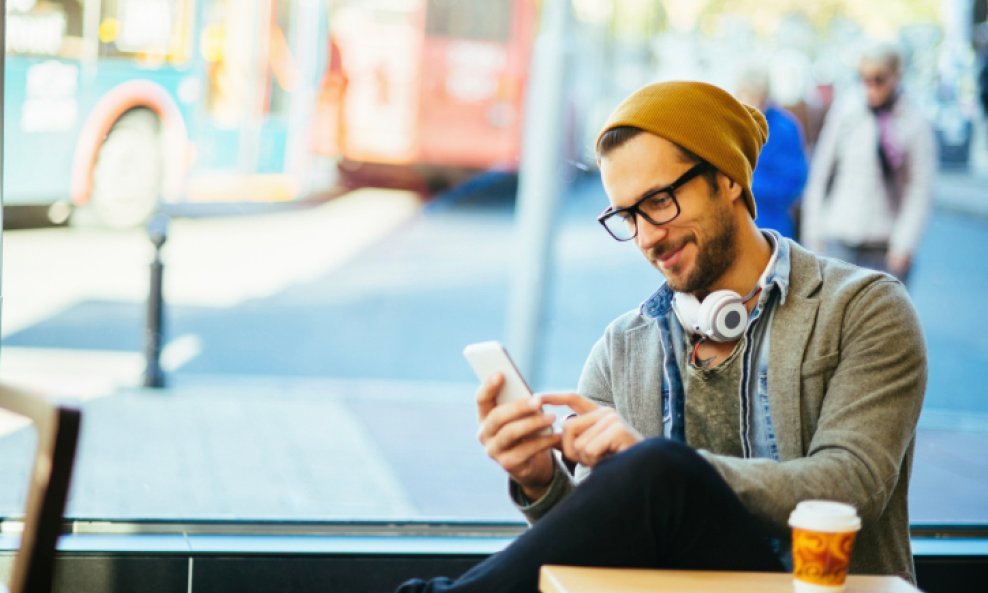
pixel 636 211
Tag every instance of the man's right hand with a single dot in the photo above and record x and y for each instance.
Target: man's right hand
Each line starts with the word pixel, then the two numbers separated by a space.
pixel 512 436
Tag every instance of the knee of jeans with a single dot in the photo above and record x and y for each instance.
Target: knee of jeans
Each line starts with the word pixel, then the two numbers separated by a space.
pixel 663 459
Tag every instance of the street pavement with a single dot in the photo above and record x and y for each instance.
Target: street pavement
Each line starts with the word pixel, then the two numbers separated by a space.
pixel 343 394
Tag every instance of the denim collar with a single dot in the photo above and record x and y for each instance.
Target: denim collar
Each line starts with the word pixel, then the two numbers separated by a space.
pixel 776 276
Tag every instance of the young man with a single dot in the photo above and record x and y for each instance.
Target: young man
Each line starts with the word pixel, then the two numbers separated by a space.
pixel 757 376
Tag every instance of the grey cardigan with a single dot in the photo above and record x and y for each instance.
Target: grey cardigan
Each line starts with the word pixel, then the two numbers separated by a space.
pixel 846 380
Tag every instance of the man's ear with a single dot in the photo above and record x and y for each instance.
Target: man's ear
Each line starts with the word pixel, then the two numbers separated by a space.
pixel 730 187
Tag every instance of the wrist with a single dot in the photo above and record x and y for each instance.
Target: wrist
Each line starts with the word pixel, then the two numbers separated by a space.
pixel 534 490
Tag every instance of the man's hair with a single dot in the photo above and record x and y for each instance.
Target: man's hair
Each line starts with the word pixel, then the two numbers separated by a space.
pixel 616 137
pixel 886 54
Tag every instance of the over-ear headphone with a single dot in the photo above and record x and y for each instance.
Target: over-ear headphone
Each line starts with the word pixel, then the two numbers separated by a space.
pixel 721 317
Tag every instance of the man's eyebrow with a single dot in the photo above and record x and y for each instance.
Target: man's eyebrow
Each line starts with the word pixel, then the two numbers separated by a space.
pixel 651 192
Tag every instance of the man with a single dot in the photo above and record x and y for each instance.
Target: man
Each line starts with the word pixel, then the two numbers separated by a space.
pixel 699 427
pixel 779 178
pixel 871 181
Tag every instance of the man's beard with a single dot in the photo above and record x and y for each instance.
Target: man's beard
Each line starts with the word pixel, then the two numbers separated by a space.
pixel 711 261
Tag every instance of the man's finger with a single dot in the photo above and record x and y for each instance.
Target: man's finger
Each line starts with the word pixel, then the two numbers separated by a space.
pixel 513 433
pixel 574 401
pixel 581 422
pixel 505 413
pixel 518 459
pixel 572 430
pixel 602 420
pixel 487 395
pixel 601 444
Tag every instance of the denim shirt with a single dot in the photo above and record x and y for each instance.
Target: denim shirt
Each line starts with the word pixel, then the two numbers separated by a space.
pixel 757 433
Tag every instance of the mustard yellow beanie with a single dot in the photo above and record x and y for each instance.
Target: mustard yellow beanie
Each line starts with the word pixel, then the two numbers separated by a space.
pixel 702 118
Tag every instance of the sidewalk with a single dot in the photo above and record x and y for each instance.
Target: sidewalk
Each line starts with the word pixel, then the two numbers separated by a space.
pixel 963 191
pixel 967 190
pixel 256 448
pixel 241 448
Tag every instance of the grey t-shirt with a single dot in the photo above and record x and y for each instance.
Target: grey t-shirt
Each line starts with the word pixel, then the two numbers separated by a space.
pixel 713 420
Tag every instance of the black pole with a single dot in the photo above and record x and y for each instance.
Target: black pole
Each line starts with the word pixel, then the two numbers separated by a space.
pixel 154 376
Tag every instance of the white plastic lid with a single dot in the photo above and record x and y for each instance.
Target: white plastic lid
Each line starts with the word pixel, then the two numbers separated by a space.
pixel 825 515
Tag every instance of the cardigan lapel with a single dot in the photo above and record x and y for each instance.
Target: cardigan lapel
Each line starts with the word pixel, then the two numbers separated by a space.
pixel 792 324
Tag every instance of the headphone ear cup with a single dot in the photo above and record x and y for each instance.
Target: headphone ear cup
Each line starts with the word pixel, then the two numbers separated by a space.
pixel 686 307
pixel 722 316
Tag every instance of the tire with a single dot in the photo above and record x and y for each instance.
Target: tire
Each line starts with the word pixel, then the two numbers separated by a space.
pixel 127 175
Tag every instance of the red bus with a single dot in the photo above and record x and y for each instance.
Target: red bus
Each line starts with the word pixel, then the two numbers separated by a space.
pixel 426 86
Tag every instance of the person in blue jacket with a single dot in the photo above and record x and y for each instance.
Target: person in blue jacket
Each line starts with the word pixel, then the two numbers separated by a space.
pixel 782 167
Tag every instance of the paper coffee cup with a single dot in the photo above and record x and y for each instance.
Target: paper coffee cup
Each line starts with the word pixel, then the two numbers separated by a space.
pixel 823 535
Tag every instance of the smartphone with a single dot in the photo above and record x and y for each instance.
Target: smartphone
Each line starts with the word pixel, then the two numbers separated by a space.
pixel 491 357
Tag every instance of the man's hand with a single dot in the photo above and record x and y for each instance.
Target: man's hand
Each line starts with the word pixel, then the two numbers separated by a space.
pixel 511 435
pixel 595 432
pixel 898 263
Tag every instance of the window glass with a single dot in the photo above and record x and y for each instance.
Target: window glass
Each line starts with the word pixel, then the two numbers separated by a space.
pixel 485 21
pixel 44 28
pixel 145 29
pixel 329 192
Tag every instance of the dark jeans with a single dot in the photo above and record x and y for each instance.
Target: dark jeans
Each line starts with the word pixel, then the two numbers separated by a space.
pixel 656 505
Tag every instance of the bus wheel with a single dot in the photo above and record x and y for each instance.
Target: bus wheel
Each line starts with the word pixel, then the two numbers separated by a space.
pixel 127 176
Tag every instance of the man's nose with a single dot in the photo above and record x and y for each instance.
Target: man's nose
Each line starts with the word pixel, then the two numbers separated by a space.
pixel 649 234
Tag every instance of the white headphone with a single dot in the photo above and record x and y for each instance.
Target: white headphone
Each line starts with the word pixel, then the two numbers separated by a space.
pixel 721 317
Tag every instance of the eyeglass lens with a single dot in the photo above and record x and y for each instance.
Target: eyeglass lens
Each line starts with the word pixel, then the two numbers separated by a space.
pixel 658 208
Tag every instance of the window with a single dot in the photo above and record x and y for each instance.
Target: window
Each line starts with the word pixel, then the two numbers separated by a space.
pixel 317 299
pixel 44 27
pixel 481 21
pixel 145 29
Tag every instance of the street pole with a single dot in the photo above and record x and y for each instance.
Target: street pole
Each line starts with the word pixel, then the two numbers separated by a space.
pixel 154 376
pixel 540 185
pixel 3 70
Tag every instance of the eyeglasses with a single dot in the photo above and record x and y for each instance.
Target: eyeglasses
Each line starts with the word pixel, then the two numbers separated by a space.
pixel 657 207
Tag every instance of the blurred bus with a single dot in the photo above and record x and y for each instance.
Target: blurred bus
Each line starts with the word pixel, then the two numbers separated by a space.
pixel 113 105
pixel 432 86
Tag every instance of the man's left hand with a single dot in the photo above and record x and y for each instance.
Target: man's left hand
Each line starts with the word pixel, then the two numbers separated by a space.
pixel 898 263
pixel 595 432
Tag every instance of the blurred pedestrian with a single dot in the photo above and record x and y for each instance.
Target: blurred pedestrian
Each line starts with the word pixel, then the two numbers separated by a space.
pixel 780 174
pixel 871 179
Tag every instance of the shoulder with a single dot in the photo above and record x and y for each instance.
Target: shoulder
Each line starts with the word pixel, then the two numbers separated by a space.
pixel 781 117
pixel 909 114
pixel 848 105
pixel 628 335
pixel 629 322
pixel 841 287
pixel 817 276
pixel 846 308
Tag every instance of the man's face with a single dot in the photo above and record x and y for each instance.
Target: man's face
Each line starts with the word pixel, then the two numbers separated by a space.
pixel 879 81
pixel 694 250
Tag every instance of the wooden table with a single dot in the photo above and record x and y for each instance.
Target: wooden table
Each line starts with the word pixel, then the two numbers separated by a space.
pixel 572 579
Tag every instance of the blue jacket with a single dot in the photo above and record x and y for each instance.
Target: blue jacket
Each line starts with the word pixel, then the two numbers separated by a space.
pixel 781 172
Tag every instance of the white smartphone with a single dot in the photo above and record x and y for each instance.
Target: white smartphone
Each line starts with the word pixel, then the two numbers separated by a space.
pixel 491 357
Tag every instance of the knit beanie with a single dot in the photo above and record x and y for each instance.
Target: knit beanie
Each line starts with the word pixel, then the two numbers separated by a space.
pixel 702 118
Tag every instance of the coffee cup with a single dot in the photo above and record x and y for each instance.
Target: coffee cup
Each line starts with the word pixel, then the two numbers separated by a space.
pixel 823 533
